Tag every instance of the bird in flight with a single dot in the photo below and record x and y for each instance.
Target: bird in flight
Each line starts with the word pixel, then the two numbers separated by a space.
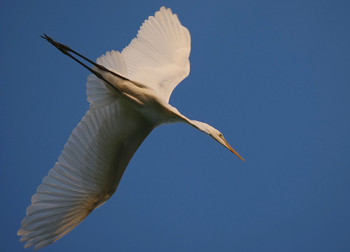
pixel 129 95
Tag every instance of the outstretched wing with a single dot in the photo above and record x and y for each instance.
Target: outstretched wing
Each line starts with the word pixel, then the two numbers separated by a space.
pixel 89 169
pixel 159 55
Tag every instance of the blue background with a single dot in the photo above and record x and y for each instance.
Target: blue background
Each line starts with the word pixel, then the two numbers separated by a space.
pixel 273 76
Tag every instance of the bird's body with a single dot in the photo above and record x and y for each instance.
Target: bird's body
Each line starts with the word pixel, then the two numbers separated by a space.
pixel 128 95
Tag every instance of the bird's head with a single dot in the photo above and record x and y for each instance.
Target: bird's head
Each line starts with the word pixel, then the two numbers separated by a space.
pixel 214 133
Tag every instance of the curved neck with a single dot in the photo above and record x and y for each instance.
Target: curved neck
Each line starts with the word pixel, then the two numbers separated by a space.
pixel 176 116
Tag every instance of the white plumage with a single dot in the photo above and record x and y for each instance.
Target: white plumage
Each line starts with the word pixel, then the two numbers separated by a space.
pixel 94 159
pixel 159 56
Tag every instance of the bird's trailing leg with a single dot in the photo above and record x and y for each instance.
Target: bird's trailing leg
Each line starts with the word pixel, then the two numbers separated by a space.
pixel 66 50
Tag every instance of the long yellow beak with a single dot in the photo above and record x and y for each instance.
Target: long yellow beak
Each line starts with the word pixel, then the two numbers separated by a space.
pixel 231 149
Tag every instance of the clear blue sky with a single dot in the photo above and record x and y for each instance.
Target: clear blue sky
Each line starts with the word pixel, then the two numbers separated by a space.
pixel 273 76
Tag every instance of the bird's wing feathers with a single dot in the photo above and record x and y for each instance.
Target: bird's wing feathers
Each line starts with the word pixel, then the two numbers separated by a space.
pixel 113 61
pixel 159 55
pixel 98 93
pixel 86 174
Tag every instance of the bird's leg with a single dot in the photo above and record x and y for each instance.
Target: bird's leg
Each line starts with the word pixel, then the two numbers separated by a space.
pixel 65 50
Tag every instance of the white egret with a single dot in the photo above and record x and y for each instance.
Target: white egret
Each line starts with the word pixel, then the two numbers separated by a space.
pixel 128 94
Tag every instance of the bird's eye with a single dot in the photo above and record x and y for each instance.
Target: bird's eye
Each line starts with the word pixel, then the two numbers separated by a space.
pixel 220 135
